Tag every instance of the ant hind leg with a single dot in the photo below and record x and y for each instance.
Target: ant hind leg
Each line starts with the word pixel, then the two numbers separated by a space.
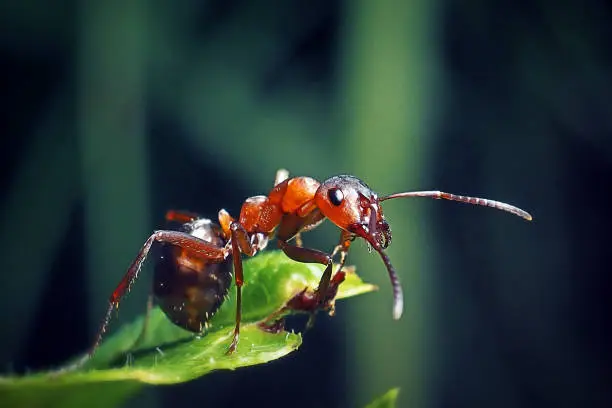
pixel 180 239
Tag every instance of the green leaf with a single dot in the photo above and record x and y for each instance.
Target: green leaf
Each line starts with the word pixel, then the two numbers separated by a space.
pixel 387 400
pixel 169 354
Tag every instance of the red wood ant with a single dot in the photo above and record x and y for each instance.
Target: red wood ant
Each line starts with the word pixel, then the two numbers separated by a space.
pixel 195 274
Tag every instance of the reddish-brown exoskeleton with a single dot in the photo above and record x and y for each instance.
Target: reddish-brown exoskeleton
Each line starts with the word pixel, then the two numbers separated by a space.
pixel 294 205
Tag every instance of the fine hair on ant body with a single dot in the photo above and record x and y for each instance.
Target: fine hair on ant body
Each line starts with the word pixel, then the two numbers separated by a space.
pixel 294 205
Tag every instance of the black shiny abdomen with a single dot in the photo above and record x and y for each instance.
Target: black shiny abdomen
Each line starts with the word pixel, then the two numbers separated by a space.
pixel 187 288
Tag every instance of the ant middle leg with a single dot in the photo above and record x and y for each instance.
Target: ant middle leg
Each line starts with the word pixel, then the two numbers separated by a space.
pixel 241 243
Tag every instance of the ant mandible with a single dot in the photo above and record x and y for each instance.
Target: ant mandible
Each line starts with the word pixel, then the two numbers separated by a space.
pixel 294 205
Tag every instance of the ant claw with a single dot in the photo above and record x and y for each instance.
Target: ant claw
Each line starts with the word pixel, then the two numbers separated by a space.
pixel 274 327
pixel 234 345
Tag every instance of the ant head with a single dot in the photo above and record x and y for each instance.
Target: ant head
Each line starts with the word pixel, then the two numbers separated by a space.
pixel 350 204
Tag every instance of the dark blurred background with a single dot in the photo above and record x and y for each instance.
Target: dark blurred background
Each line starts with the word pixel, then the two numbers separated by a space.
pixel 114 112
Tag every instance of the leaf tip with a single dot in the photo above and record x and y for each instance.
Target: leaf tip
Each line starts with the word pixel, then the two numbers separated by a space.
pixel 387 400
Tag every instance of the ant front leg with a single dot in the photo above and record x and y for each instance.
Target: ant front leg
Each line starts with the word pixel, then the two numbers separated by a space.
pixel 307 255
pixel 304 301
pixel 180 239
pixel 346 239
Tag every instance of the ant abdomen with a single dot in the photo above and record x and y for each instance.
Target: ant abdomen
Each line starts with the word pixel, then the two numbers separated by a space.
pixel 188 288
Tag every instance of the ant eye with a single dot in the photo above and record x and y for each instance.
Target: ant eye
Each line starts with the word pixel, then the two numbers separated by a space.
pixel 335 196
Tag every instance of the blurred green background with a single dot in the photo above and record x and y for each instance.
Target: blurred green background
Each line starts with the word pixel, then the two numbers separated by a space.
pixel 114 112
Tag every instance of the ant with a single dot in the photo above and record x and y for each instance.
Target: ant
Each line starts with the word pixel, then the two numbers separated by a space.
pixel 193 276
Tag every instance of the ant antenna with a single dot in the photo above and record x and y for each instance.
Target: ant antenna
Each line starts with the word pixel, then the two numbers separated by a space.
pixel 398 295
pixel 438 195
